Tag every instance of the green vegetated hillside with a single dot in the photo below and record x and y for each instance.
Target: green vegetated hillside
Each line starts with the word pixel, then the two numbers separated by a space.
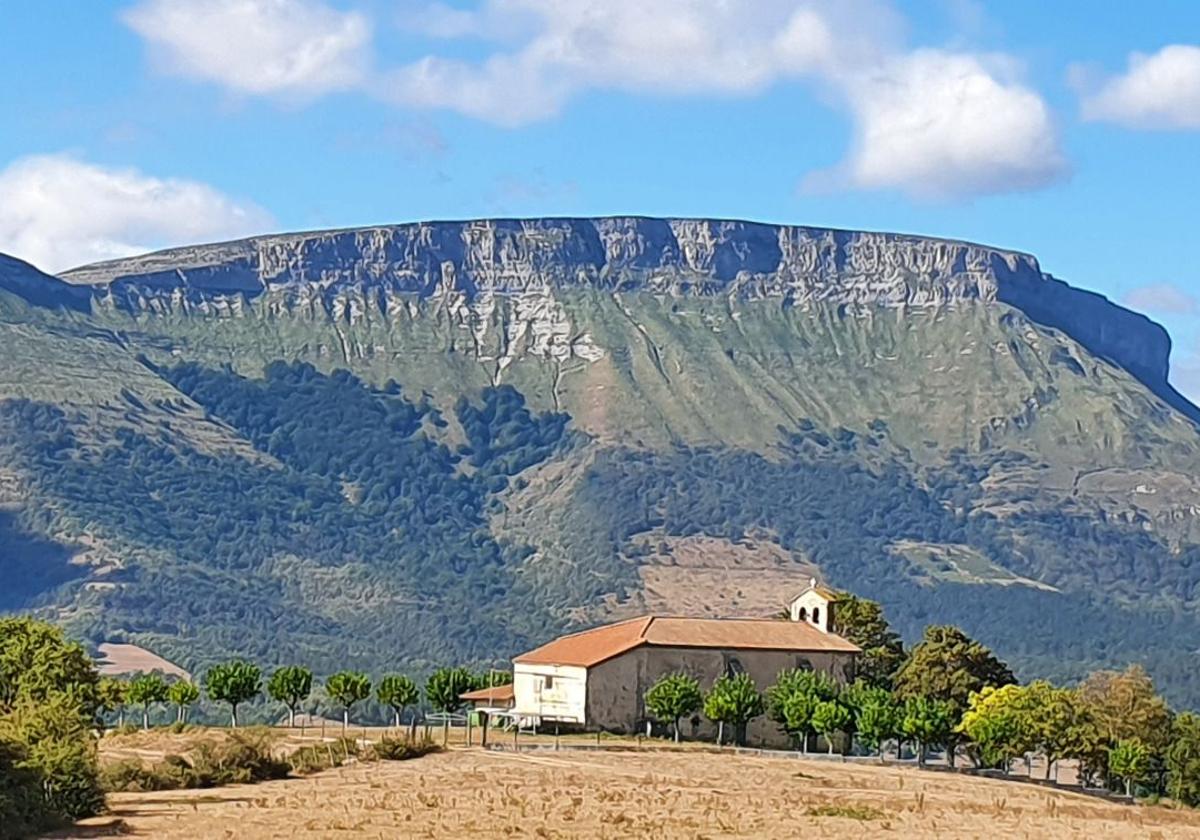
pixel 369 484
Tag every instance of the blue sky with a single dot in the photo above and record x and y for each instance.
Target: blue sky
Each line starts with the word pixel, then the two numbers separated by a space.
pixel 1071 130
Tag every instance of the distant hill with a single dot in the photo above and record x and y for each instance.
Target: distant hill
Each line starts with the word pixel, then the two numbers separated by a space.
pixel 449 440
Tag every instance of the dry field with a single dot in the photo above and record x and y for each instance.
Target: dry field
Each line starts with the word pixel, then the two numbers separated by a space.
pixel 631 793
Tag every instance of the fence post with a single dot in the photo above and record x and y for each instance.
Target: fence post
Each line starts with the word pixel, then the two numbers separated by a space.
pixel 469 729
pixel 516 733
pixel 556 738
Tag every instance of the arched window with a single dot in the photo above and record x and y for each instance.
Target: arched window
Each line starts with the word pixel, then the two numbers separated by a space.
pixel 733 666
pixel 816 615
pixel 803 614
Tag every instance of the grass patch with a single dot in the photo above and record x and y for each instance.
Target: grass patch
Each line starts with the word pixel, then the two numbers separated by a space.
pixel 850 812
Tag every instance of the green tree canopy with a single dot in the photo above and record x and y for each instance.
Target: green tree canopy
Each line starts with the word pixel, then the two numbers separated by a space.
pixel 927 721
pixel 1129 760
pixel 234 683
pixel 830 717
pixel 347 688
pixel 793 697
pixel 861 621
pixel 674 696
pixel 1125 706
pixel 877 719
pixel 493 677
pixel 734 700
pixel 1002 724
pixel 444 686
pixel 1182 759
pixel 110 696
pixel 398 692
pixel 183 694
pixel 49 700
pixel 146 690
pixel 949 665
pixel 290 685
pixel 37 661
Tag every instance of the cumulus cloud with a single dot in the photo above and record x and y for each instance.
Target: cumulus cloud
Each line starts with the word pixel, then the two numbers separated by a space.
pixel 294 48
pixel 1161 298
pixel 1156 91
pixel 565 47
pixel 932 123
pixel 941 124
pixel 58 212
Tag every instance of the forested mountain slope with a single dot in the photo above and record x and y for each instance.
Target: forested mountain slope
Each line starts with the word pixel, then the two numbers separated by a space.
pixel 440 441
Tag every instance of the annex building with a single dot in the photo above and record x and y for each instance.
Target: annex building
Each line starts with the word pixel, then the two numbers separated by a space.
pixel 598 678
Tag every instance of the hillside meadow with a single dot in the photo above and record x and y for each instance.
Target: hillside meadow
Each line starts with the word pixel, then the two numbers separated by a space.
pixel 626 790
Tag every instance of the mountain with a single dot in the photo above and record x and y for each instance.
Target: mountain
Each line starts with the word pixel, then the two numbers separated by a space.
pixel 409 444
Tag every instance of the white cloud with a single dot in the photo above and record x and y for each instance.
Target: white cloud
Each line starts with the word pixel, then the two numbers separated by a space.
pixel 932 123
pixel 1156 91
pixel 942 125
pixel 58 212
pixel 294 48
pixel 675 47
pixel 1161 298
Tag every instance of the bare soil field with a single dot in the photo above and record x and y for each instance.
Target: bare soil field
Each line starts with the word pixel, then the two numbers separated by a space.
pixel 629 793
pixel 130 659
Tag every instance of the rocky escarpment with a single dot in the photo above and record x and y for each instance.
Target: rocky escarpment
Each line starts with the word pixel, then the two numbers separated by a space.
pixel 472 263
pixel 26 282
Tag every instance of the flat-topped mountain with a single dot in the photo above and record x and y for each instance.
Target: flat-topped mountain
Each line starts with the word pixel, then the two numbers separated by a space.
pixel 453 439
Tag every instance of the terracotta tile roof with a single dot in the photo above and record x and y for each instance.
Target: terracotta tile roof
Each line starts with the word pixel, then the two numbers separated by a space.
pixel 496 694
pixel 591 647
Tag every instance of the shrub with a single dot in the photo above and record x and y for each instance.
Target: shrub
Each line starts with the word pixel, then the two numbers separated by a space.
pixel 131 775
pixel 52 741
pixel 245 758
pixel 313 758
pixel 401 749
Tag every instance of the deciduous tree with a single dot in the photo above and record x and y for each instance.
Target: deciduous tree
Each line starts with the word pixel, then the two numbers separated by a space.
pixel 444 686
pixel 928 722
pixel 110 697
pixel 1000 723
pixel 397 692
pixel 830 717
pixel 347 688
pixel 234 683
pixel 861 621
pixel 948 665
pixel 734 700
pixel 1125 706
pixel 290 685
pixel 37 661
pixel 183 694
pixel 1129 760
pixel 144 691
pixel 876 720
pixel 1183 759
pixel 793 697
pixel 674 696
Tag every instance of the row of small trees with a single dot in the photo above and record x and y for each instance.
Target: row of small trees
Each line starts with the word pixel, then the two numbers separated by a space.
pixel 238 682
pixel 950 691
